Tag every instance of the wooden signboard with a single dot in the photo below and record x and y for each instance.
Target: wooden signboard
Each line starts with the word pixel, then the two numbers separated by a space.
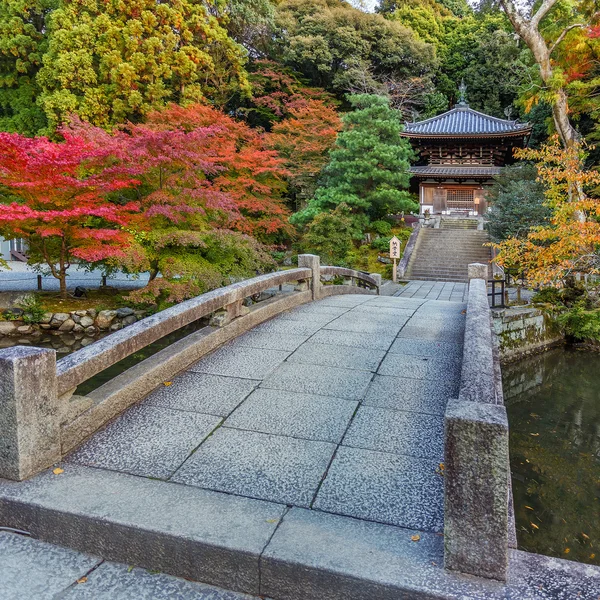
pixel 395 255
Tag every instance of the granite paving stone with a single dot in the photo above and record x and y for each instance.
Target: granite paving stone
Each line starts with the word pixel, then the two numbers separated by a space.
pixel 315 318
pixel 146 440
pixel 415 395
pixel 395 302
pixel 233 362
pixel 114 581
pixel 426 348
pixel 272 341
pixel 427 333
pixel 258 465
pixel 364 359
pixel 370 326
pixel 369 310
pixel 223 535
pixel 319 307
pixel 316 379
pixel 198 392
pixel 387 488
pixel 359 560
pixel 398 432
pixel 34 570
pixel 420 367
pixel 446 322
pixel 381 341
pixel 287 327
pixel 345 300
pixel 304 416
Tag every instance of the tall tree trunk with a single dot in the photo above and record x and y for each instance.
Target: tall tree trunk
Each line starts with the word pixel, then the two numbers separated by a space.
pixel 528 31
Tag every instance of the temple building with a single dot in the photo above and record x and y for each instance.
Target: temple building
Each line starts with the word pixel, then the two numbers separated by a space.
pixel 459 152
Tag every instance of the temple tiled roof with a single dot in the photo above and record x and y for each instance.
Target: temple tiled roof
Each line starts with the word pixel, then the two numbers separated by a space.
pixel 462 120
pixel 455 171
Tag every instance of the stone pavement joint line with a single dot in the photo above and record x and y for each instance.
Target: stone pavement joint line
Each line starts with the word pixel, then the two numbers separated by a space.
pixel 434 290
pixel 296 462
pixel 300 425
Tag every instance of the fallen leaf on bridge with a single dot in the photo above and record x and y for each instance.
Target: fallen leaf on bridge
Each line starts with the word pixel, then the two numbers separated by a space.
pixel 82 580
pixel 415 538
pixel 167 383
pixel 58 471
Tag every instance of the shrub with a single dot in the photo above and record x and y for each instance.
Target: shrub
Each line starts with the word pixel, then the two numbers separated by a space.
pixel 33 311
pixel 330 234
pixel 381 227
pixel 382 244
pixel 581 324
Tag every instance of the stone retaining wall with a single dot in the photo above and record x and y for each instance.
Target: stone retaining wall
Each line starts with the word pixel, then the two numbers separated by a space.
pixel 66 330
pixel 524 331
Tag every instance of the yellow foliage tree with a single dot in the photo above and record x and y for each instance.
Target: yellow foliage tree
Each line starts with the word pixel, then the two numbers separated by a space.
pixel 570 243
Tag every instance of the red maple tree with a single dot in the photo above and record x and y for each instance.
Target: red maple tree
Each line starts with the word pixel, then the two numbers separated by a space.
pixel 55 197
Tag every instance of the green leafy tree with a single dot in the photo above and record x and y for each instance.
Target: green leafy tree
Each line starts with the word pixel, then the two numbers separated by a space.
pixel 109 62
pixel 517 203
pixel 330 235
pixel 23 42
pixel 368 168
pixel 325 39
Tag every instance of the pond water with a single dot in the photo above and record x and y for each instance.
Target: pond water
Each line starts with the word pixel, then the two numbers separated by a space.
pixel 553 404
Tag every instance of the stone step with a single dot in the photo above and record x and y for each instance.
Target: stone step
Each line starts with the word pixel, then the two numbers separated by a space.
pixel 259 547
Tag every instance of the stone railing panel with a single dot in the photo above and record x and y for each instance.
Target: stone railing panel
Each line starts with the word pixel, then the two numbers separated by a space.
pixel 477 471
pixel 91 360
pixel 41 418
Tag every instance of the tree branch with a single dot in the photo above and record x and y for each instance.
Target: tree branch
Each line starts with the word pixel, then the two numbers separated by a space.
pixel 542 11
pixel 564 32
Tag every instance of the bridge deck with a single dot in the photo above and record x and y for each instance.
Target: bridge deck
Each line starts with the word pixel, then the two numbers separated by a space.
pixel 336 406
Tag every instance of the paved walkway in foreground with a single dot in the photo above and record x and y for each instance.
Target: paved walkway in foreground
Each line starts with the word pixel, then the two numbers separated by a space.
pixel 34 570
pixel 434 290
pixel 336 406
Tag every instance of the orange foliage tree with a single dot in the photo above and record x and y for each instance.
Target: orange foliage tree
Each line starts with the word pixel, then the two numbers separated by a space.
pixel 570 243
pixel 304 140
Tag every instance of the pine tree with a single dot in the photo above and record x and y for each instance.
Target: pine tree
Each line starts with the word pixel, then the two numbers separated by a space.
pixel 368 168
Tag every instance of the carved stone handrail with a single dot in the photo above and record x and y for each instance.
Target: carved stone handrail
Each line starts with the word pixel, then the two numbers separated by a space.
pixel 40 418
pixel 91 360
pixel 351 274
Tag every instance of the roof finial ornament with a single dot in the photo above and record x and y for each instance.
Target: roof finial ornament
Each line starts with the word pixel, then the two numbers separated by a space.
pixel 462 93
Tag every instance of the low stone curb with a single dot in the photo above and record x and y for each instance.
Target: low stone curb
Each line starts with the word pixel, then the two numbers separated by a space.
pixel 260 547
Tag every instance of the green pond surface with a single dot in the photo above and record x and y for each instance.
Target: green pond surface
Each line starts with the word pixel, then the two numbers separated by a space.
pixel 553 404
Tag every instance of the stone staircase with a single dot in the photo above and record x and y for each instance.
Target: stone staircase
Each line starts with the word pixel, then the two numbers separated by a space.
pixel 443 254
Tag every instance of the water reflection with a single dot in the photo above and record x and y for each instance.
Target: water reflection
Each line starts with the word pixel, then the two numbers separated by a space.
pixel 553 403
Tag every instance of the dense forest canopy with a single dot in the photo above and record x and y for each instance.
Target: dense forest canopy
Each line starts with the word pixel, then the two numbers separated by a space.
pixel 296 86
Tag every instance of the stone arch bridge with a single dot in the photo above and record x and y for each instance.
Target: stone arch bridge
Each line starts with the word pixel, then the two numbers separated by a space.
pixel 326 442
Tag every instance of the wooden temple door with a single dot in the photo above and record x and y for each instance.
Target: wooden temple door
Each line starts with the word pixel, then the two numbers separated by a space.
pixel 439 200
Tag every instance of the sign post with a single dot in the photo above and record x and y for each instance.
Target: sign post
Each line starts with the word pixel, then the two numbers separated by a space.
pixel 395 255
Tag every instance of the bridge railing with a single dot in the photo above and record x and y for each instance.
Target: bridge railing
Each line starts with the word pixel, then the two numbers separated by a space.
pixel 477 471
pixel 41 415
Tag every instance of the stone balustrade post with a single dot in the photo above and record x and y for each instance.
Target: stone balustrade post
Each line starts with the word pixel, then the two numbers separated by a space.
pixel 29 412
pixel 477 271
pixel 313 262
pixel 476 476
pixel 378 279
